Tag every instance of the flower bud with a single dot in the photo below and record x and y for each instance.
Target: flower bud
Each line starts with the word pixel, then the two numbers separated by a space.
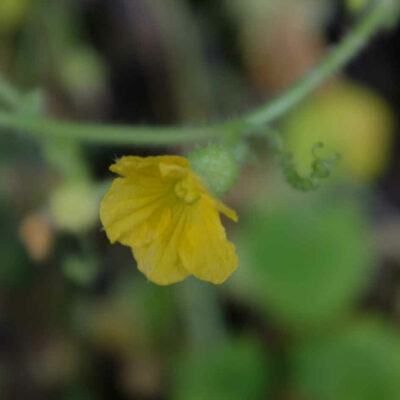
pixel 217 166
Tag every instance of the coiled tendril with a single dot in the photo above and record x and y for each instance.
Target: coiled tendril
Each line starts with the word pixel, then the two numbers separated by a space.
pixel 321 168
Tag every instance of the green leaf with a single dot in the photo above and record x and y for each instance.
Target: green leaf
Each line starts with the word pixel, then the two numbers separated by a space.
pixel 80 270
pixel 79 392
pixel 305 266
pixel 31 103
pixel 16 270
pixel 360 363
pixel 236 370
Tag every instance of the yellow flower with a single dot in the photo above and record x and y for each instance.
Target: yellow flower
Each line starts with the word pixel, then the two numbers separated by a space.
pixel 162 210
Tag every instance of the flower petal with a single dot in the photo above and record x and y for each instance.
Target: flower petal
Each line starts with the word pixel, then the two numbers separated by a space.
pixel 159 260
pixel 163 211
pixel 133 165
pixel 173 171
pixel 135 214
pixel 224 209
pixel 205 250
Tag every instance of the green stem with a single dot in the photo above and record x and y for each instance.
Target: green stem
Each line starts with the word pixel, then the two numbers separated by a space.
pixel 375 19
pixel 202 314
pixel 107 134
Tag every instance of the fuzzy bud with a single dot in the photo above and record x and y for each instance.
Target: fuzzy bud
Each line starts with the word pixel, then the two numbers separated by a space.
pixel 217 166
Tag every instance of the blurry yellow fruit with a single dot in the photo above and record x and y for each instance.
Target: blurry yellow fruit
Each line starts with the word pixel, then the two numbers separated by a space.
pixel 350 120
pixel 74 206
pixel 12 14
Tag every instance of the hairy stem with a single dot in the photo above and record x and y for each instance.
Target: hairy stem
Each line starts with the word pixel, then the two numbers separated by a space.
pixel 201 313
pixel 105 133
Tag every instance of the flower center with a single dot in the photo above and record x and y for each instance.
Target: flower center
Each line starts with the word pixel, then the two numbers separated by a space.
pixel 186 191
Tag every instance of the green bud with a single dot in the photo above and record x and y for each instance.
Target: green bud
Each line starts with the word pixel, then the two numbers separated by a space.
pixel 217 166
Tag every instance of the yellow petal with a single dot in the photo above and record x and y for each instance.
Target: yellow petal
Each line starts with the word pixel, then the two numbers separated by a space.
pixel 173 171
pixel 159 260
pixel 167 216
pixel 135 214
pixel 224 209
pixel 132 165
pixel 205 250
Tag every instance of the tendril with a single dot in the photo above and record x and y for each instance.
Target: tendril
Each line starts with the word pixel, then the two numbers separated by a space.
pixel 321 167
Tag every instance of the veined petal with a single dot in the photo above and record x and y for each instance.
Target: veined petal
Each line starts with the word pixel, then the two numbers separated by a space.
pixel 135 215
pixel 159 260
pixel 163 211
pixel 204 249
pixel 133 165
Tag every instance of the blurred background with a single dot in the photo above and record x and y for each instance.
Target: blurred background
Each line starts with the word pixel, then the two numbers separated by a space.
pixel 313 311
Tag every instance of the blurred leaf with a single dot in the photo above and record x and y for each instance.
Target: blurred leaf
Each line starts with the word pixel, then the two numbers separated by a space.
pixel 15 269
pixel 355 6
pixel 82 271
pixel 66 156
pixel 32 103
pixel 135 316
pixel 152 305
pixel 80 392
pixel 236 370
pixel 350 120
pixel 305 265
pixel 12 14
pixel 361 363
